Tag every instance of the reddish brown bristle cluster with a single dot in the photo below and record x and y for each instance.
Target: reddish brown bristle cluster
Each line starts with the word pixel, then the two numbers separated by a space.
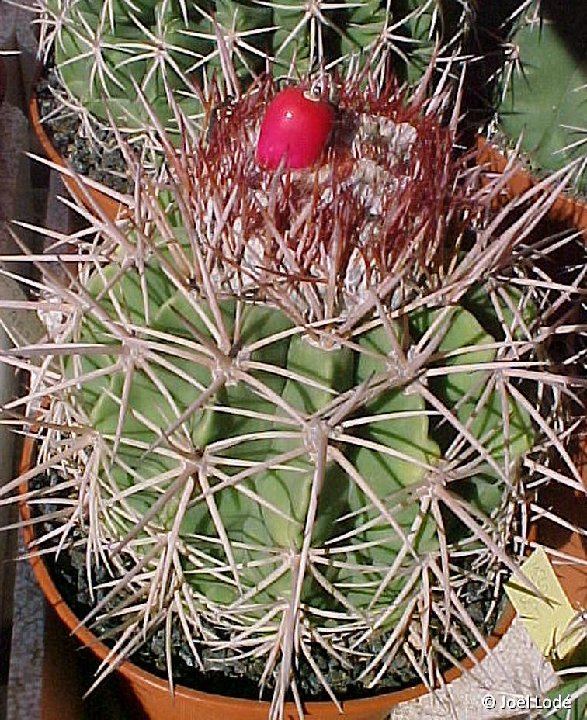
pixel 381 199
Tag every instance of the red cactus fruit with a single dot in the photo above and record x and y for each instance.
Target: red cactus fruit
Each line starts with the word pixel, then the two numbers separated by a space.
pixel 296 127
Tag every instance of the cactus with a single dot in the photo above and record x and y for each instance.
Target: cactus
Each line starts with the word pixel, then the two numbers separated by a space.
pixel 296 412
pixel 170 46
pixel 568 700
pixel 544 88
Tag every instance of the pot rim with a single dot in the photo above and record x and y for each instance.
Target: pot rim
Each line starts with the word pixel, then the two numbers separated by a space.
pixel 111 207
pixel 566 209
pixel 382 702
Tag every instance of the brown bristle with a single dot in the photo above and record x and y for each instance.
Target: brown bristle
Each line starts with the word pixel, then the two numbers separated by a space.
pixel 380 200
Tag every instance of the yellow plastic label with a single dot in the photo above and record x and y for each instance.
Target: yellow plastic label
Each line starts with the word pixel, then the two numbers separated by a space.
pixel 546 619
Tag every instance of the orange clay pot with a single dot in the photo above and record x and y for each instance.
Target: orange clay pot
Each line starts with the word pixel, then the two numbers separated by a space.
pixel 111 208
pixel 150 699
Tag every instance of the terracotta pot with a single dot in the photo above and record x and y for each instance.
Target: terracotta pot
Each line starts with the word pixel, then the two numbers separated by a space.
pixel 565 210
pixel 570 559
pixel 149 696
pixel 110 207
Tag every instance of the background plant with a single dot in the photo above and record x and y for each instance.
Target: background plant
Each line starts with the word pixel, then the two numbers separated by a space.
pixel 103 50
pixel 295 415
pixel 568 700
pixel 543 103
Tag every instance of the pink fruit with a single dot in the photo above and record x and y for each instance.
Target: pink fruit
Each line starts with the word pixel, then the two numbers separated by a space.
pixel 296 127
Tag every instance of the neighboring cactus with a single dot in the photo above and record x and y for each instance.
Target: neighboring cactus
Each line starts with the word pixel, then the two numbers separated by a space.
pixel 101 50
pixel 297 411
pixel 544 87
pixel 568 700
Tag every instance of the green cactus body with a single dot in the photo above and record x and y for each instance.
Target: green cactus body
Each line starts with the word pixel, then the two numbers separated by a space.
pixel 332 370
pixel 544 102
pixel 103 54
pixel 168 47
pixel 391 443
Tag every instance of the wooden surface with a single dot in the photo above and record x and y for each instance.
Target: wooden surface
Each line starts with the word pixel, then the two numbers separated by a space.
pixel 28 192
pixel 8 543
pixel 16 201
